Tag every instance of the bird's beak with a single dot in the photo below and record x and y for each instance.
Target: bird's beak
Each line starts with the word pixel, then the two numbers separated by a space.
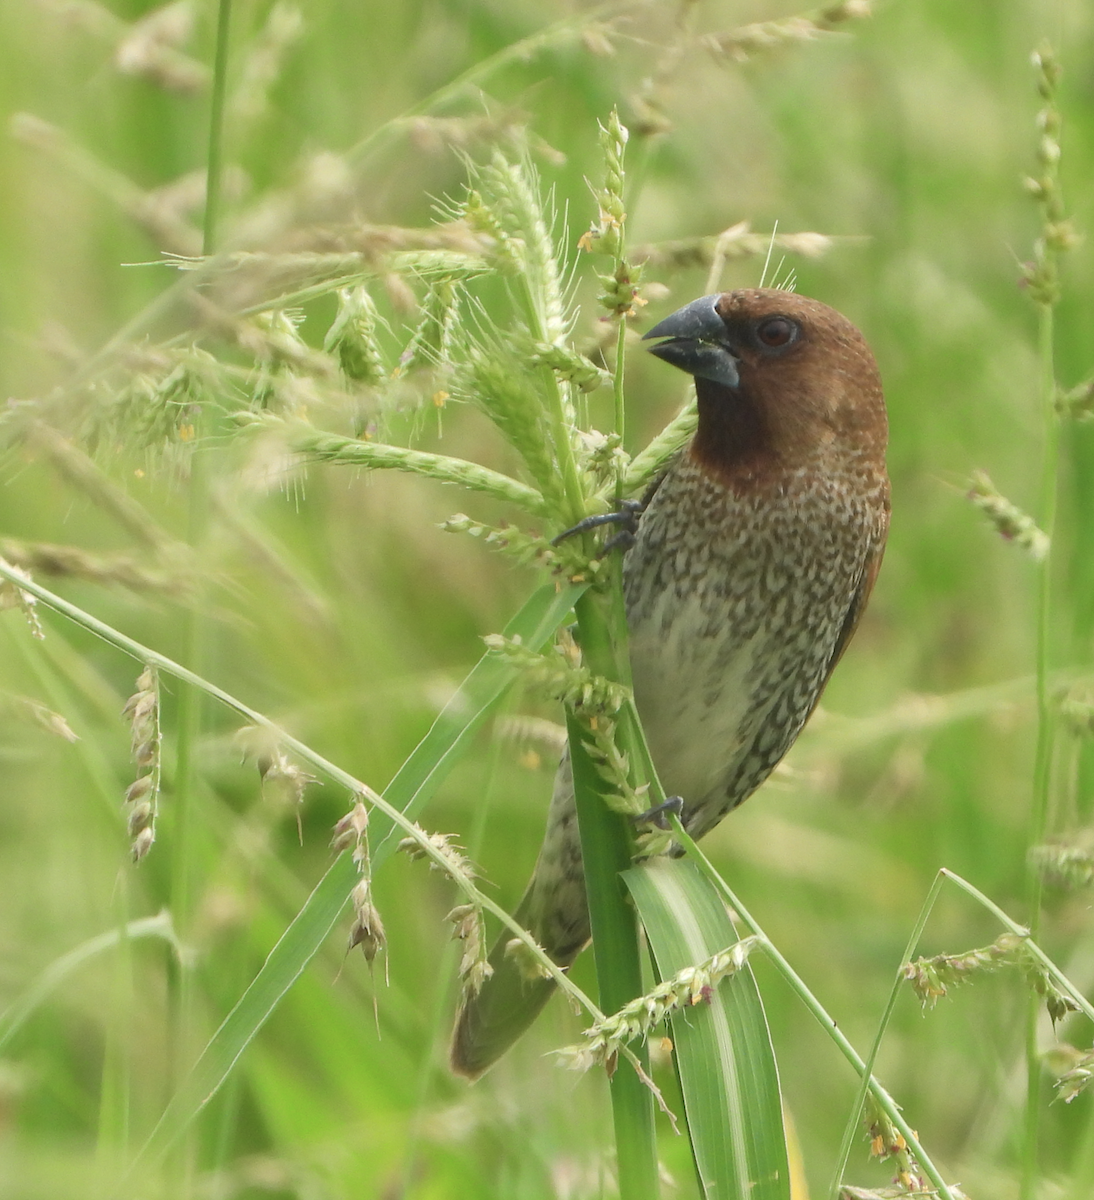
pixel 697 342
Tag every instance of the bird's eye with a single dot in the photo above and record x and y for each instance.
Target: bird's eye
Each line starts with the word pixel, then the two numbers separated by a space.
pixel 777 331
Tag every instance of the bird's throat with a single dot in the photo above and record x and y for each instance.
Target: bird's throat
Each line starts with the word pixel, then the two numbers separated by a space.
pixel 734 441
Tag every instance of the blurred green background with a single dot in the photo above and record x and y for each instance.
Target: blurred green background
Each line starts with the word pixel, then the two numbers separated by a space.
pixel 330 601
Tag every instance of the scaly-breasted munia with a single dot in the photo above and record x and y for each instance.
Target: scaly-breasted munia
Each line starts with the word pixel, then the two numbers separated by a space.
pixel 751 566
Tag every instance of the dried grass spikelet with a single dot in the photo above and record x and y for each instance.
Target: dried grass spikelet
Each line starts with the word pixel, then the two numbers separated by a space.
pixel 430 345
pixel 1007 518
pixel 747 41
pixel 509 203
pixel 273 337
pixel 932 977
pixel 687 988
pixel 736 242
pixel 283 781
pixel 351 832
pixel 150 49
pixel 469 927
pixel 13 596
pixel 262 63
pixel 546 735
pixel 445 846
pixel 304 439
pixel 524 547
pixel 367 929
pixel 530 965
pixel 620 794
pixel 570 365
pixel 142 795
pixel 467 920
pixel 284 785
pixel 501 125
pixel 1041 276
pixel 887 1142
pixel 603 460
pixel 159 406
pixel 74 562
pixel 24 708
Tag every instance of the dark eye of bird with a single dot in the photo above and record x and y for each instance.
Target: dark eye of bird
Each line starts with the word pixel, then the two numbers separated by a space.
pixel 777 331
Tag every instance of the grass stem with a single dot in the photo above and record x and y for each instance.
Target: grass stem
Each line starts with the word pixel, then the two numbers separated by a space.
pixel 1046 294
pixel 214 169
pixel 607 846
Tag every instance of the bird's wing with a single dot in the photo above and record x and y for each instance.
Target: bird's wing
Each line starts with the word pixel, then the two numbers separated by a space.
pixel 858 601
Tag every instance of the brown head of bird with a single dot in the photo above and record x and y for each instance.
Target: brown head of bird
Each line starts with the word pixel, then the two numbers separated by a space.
pixel 784 383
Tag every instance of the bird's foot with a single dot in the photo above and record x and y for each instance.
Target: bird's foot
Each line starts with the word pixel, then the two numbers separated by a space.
pixel 625 517
pixel 659 814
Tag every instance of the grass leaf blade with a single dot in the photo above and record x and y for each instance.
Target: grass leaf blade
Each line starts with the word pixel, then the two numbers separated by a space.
pixel 727 1067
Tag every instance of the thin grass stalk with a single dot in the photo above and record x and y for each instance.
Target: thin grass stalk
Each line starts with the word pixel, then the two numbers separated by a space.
pixel 855 1118
pixel 191 699
pixel 116 1090
pixel 59 971
pixel 190 704
pixel 215 154
pixel 1082 1174
pixel 1042 779
pixel 113 1130
pixel 1044 287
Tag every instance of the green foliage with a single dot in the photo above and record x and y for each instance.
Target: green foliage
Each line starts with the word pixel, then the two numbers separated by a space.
pixel 338 319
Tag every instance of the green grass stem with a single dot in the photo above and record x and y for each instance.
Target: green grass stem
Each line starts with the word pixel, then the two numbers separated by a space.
pixel 1045 292
pixel 214 171
pixel 606 848
pixel 854 1122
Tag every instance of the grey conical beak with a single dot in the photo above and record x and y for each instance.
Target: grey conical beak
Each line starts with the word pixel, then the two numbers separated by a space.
pixel 697 342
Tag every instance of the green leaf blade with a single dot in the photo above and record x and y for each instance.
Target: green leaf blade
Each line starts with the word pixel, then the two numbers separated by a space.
pixel 728 1073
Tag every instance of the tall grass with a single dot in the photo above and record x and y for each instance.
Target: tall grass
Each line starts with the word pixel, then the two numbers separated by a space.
pixel 331 602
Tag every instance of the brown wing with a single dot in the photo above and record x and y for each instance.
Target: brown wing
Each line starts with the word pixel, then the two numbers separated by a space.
pixel 858 601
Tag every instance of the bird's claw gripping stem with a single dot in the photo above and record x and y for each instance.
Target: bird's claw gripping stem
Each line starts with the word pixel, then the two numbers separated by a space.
pixel 625 516
pixel 658 815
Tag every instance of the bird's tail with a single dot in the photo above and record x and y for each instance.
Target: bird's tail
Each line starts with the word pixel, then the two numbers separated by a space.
pixel 555 911
pixel 510 999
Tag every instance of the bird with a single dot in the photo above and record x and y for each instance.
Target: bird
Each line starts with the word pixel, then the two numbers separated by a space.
pixel 750 566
